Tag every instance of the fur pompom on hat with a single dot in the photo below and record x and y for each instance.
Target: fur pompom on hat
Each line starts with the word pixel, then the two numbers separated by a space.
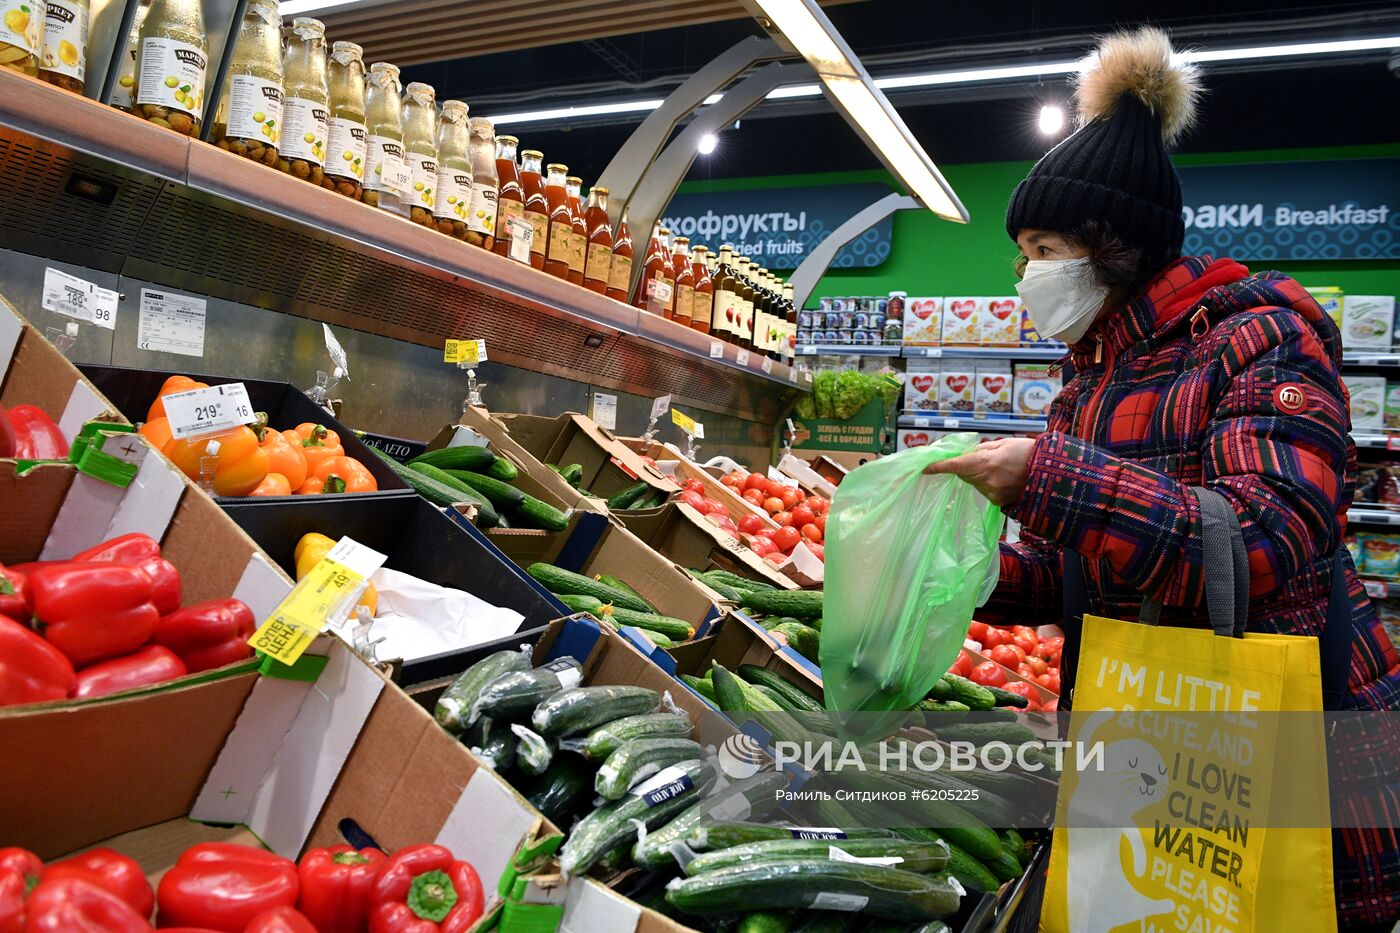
pixel 1132 101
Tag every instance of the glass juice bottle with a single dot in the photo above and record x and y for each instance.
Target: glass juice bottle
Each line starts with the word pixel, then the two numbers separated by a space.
pixel 510 196
pixel 684 302
pixel 453 197
pixel 249 116
pixel 598 260
pixel 306 106
pixel 347 138
pixel 481 219
pixel 620 268
pixel 387 180
pixel 578 243
pixel 704 301
pixel 653 273
pixel 726 296
pixel 536 206
pixel 123 95
pixel 561 222
pixel 746 303
pixel 172 57
pixel 420 119
pixel 21 37
pixel 64 60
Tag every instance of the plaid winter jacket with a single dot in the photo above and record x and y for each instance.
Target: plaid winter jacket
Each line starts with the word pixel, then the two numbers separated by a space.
pixel 1214 378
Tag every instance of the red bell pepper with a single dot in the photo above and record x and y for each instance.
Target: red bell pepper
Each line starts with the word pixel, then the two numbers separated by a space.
pixel 143 551
pixel 425 889
pixel 36 434
pixel 14 595
pixel 31 669
pixel 223 886
pixel 79 905
pixel 23 862
pixel 286 920
pixel 113 872
pixel 149 665
pixel 12 891
pixel 10 442
pixel 209 634
pixel 94 611
pixel 335 887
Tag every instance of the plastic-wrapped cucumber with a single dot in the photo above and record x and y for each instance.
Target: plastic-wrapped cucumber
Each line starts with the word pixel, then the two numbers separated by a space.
pixel 582 708
pixel 455 705
pixel 562 790
pixel 921 857
pixel 726 834
pixel 533 753
pixel 652 803
pixel 514 695
pixel 638 759
pixel 605 739
pixel 753 797
pixel 880 892
pixel 498 747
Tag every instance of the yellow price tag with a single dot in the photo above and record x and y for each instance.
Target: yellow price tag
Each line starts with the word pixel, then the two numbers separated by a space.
pixel 683 421
pixel 470 352
pixel 325 595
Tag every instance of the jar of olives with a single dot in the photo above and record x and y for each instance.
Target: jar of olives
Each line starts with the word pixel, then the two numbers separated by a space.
pixel 346 146
pixel 305 108
pixel 481 217
pixel 171 62
pixel 420 119
pixel 453 198
pixel 248 120
pixel 64 62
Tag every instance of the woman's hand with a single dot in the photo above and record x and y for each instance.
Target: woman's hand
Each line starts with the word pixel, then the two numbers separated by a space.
pixel 996 469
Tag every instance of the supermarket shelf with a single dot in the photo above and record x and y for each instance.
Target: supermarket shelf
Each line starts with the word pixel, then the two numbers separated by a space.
pixel 1007 425
pixel 1373 515
pixel 1375 440
pixel 985 353
pixel 833 349
pixel 1370 358
pixel 111 192
pixel 1380 589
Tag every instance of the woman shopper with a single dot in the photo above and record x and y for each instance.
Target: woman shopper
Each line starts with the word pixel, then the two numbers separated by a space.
pixel 1182 372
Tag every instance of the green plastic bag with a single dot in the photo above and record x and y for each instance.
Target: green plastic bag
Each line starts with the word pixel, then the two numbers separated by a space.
pixel 908 559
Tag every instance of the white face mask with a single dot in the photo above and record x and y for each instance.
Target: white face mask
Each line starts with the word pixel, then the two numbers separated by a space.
pixel 1061 297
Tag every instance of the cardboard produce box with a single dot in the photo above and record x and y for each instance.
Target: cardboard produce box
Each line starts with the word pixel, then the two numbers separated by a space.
pixel 741 640
pixel 600 545
pixel 736 506
pixel 33 372
pixel 286 762
pixel 683 535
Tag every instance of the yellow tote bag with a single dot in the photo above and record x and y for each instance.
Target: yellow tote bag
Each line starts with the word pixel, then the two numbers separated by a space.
pixel 1167 825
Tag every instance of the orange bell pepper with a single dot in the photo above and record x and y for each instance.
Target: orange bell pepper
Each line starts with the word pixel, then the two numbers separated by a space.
pixel 283 457
pixel 274 484
pixel 172 385
pixel 341 474
pixel 317 442
pixel 157 431
pixel 240 464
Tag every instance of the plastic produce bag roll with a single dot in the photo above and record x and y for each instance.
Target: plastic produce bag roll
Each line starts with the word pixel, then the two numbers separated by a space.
pixel 908 559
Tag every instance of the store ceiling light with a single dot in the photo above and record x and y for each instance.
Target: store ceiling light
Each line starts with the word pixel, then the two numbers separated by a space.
pixel 1052 119
pixel 707 143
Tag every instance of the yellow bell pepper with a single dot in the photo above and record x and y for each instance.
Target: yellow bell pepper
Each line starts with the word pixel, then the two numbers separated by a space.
pixel 309 551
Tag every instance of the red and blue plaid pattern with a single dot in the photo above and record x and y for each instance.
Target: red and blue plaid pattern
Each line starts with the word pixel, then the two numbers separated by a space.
pixel 1182 389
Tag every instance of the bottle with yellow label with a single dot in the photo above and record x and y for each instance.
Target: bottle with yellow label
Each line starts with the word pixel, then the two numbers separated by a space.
pixel 21 35
pixel 453 199
pixel 248 119
pixel 172 60
pixel 481 216
pixel 420 120
pixel 123 89
pixel 306 106
pixel 64 62
pixel 387 178
pixel 347 140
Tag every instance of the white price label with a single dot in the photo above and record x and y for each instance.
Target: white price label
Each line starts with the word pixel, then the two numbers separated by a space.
pixel 337 352
pixel 792 374
pixel 659 407
pixel 605 410
pixel 699 431
pixel 659 291
pixel 80 299
pixel 742 357
pixel 951 423
pixel 205 411
pixel 838 854
pixel 767 365
pixel 923 422
pixel 522 233
pixel 171 323
pixel 716 350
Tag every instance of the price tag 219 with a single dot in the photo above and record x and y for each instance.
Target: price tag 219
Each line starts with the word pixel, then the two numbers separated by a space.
pixel 207 411
pixel 687 424
pixel 469 352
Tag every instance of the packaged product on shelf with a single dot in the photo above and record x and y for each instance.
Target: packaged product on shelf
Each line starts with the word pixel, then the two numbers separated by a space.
pixel 453 197
pixel 305 106
pixel 123 95
pixel 684 305
pixel 420 121
pixel 921 386
pixel 1381 555
pixel 561 225
pixel 481 216
pixel 962 320
pixel 347 138
pixel 1033 389
pixel 620 269
pixel 387 180
pixel 1001 322
pixel 1368 322
pixel 511 226
pixel 171 63
pixel 957 387
pixel 64 61
pixel 993 394
pixel 578 244
pixel 1367 401
pixel 923 321
pixel 21 38
pixel 703 307
pixel 1331 298
pixel 597 262
pixel 1358 558
pixel 920 437
pixel 249 116
pixel 1028 332
pixel 536 205
pixel 1392 405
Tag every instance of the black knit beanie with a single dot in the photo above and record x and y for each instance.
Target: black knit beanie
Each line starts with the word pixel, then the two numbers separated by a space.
pixel 1115 169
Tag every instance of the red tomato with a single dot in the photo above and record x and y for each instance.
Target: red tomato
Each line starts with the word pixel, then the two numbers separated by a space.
pixel 1050 682
pixel 750 524
pixel 731 482
pixel 776 559
pixel 1024 630
pixel 988 674
pixel 1051 705
pixel 977 631
pixel 774 487
pixel 1027 643
pixel 786 538
pixel 816 504
pixel 791 496
pixel 772 504
pixel 766 532
pixel 801 515
pixel 694 500
pixel 694 485
pixel 714 506
pixel 1005 655
pixel 756 481
pixel 963 665
pixel 821 523
pixel 1035 665
pixel 762 547
pixel 818 551
pixel 728 525
pixel 1044 651
pixel 1022 689
pixel 754 496
pixel 810 531
pixel 994 637
pixel 783 518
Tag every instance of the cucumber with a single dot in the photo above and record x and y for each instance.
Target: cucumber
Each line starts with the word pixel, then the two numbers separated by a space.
pixel 752 797
pixel 880 892
pixel 1005 866
pixel 1007 698
pixel 502 495
pixel 573 474
pixel 624 498
pixel 605 739
pixel 437 493
pixel 742 584
pixel 606 827
pixel 1017 845
pixel 767 921
pixel 652 500
pixel 562 789
pixel 941 690
pixel 943 706
pixel 770 694
pixel 974 695
pixel 729 690
pixel 638 759
pixel 486 515
pixel 541 514
pixel 584 708
pixel 498 747
pixel 980 733
pixel 801 604
pixel 465 457
pixel 456 702
pixel 921 857
pixel 961 865
pixel 723 589
pixel 669 626
pixel 503 470
pixel 791 697
pixel 533 753
pixel 998 714
pixel 589 604
pixel 618 583
pixel 706 688
pixel 656 638
pixel 559 580
pixel 804 639
pixel 617 861
pixel 729 833
pixel 512 696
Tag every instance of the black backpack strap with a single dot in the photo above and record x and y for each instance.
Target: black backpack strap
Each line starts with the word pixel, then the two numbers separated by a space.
pixel 1334 644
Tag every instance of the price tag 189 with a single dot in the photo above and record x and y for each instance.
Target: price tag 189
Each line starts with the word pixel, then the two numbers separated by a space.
pixel 683 421
pixel 469 352
pixel 207 411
